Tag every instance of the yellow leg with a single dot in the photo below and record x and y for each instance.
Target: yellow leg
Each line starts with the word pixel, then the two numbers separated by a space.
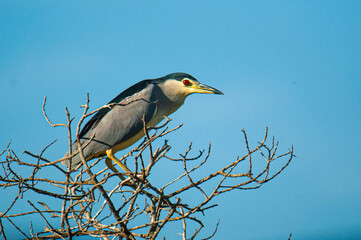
pixel 110 155
pixel 109 164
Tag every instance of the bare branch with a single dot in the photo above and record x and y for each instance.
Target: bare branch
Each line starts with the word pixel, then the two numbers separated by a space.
pixel 7 147
pixel 93 202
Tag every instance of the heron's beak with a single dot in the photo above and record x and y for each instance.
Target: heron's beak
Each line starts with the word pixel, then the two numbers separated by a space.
pixel 202 88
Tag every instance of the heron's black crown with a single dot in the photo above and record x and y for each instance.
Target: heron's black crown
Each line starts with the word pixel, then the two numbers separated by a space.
pixel 177 76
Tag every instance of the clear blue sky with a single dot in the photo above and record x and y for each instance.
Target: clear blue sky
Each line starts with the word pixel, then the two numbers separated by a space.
pixel 294 66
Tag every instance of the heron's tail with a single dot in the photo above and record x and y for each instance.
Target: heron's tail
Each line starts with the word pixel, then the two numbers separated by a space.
pixel 75 161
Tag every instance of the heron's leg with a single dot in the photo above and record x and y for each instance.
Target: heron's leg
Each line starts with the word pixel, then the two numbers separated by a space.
pixel 131 184
pixel 109 164
pixel 110 155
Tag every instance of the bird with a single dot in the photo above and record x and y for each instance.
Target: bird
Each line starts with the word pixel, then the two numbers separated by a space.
pixel 120 124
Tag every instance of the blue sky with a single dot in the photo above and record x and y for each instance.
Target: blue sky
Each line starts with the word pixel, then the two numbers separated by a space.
pixel 294 66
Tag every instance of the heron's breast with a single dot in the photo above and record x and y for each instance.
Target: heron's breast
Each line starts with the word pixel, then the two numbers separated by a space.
pixel 128 143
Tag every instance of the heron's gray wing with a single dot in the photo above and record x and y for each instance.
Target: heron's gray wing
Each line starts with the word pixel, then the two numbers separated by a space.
pixel 138 87
pixel 118 124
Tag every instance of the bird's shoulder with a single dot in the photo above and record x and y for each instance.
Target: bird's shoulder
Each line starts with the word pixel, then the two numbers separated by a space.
pixel 137 88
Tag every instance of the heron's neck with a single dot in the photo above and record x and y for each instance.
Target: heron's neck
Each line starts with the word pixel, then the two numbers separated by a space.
pixel 174 96
pixel 174 91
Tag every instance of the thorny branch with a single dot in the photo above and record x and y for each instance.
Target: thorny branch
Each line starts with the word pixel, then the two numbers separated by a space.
pixel 92 201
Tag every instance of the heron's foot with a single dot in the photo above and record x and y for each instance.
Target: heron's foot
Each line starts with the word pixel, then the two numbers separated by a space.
pixel 141 176
pixel 135 182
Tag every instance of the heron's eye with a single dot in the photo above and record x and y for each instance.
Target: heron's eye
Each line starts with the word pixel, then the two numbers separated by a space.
pixel 186 82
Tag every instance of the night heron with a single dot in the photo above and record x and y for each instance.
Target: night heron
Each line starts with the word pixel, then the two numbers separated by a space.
pixel 120 125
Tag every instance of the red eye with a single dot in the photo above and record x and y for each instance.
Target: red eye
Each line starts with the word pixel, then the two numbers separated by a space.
pixel 186 82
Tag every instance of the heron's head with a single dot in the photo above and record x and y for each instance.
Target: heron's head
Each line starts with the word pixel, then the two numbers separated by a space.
pixel 182 84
